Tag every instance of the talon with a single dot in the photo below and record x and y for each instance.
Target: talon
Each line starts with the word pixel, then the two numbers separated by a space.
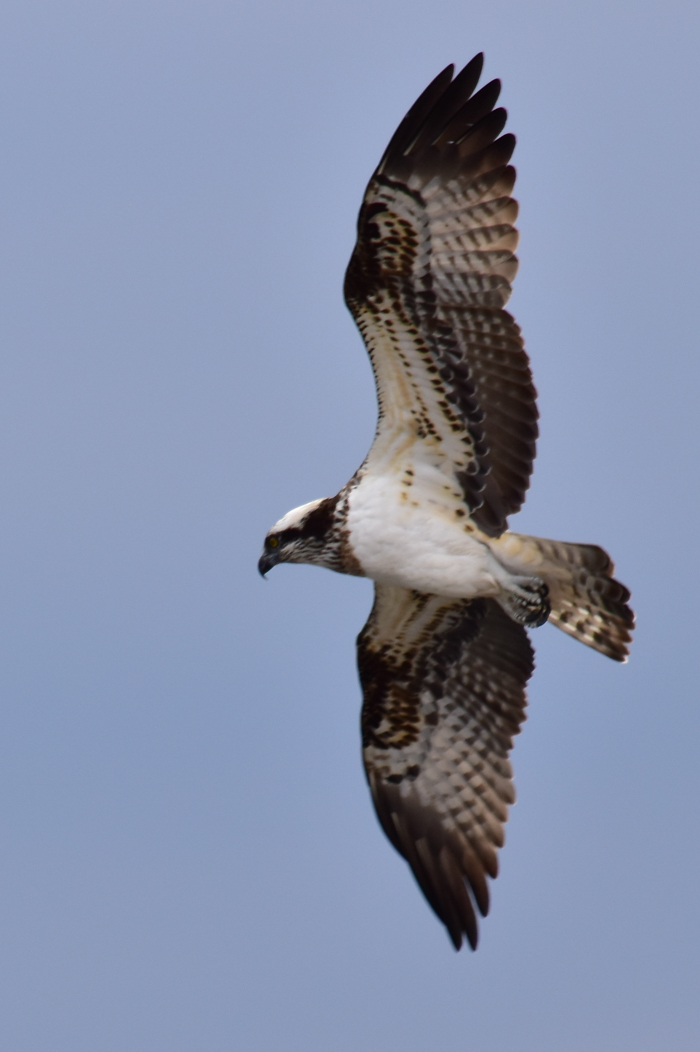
pixel 526 601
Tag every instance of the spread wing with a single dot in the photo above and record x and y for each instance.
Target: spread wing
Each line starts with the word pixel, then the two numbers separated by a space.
pixel 444 694
pixel 427 283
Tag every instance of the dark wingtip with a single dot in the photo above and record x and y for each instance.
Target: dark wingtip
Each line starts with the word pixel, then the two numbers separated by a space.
pixel 474 65
pixel 413 121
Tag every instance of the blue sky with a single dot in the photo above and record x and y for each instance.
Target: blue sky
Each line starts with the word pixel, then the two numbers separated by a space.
pixel 188 854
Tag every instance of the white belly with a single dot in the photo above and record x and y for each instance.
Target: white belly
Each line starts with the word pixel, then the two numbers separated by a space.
pixel 403 538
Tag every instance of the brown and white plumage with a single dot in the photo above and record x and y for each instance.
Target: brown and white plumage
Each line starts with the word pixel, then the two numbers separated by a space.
pixel 427 284
pixel 586 600
pixel 444 658
pixel 444 685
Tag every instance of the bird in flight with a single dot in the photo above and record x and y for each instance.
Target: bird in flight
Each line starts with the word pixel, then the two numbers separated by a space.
pixel 445 657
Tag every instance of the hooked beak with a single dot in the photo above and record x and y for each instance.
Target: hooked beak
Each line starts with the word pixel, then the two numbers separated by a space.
pixel 266 562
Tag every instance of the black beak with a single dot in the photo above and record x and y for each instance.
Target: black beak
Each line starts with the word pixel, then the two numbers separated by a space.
pixel 267 561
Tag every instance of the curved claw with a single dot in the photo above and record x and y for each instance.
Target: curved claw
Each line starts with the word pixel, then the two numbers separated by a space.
pixel 527 601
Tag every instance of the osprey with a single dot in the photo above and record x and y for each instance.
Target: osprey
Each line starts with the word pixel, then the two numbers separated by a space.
pixel 445 657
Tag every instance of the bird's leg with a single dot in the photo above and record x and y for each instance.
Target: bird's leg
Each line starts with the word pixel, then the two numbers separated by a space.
pixel 525 599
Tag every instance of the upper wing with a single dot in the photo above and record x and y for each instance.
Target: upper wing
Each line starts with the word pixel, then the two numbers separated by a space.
pixel 444 694
pixel 426 284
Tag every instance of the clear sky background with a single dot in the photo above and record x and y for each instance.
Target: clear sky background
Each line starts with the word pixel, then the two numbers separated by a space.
pixel 189 860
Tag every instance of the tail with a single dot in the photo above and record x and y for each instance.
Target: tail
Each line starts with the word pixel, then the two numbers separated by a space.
pixel 587 601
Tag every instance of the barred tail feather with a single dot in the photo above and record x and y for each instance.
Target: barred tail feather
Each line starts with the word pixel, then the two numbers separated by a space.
pixel 587 602
pixel 592 605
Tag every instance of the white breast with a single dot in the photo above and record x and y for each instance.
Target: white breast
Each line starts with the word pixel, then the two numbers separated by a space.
pixel 409 528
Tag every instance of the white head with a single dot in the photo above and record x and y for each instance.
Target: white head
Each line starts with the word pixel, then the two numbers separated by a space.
pixel 295 517
pixel 300 536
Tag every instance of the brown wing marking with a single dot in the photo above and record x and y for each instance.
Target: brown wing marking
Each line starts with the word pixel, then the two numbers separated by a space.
pixel 427 283
pixel 444 689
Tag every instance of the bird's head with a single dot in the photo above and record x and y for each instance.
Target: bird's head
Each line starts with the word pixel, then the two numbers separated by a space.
pixel 300 536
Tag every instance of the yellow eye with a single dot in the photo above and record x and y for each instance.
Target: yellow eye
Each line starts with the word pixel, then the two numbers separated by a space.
pixel 273 541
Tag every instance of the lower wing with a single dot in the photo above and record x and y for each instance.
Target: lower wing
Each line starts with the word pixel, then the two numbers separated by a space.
pixel 444 695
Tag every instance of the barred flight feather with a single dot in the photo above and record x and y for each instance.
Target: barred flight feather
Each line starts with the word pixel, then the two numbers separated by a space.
pixel 427 283
pixel 444 686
